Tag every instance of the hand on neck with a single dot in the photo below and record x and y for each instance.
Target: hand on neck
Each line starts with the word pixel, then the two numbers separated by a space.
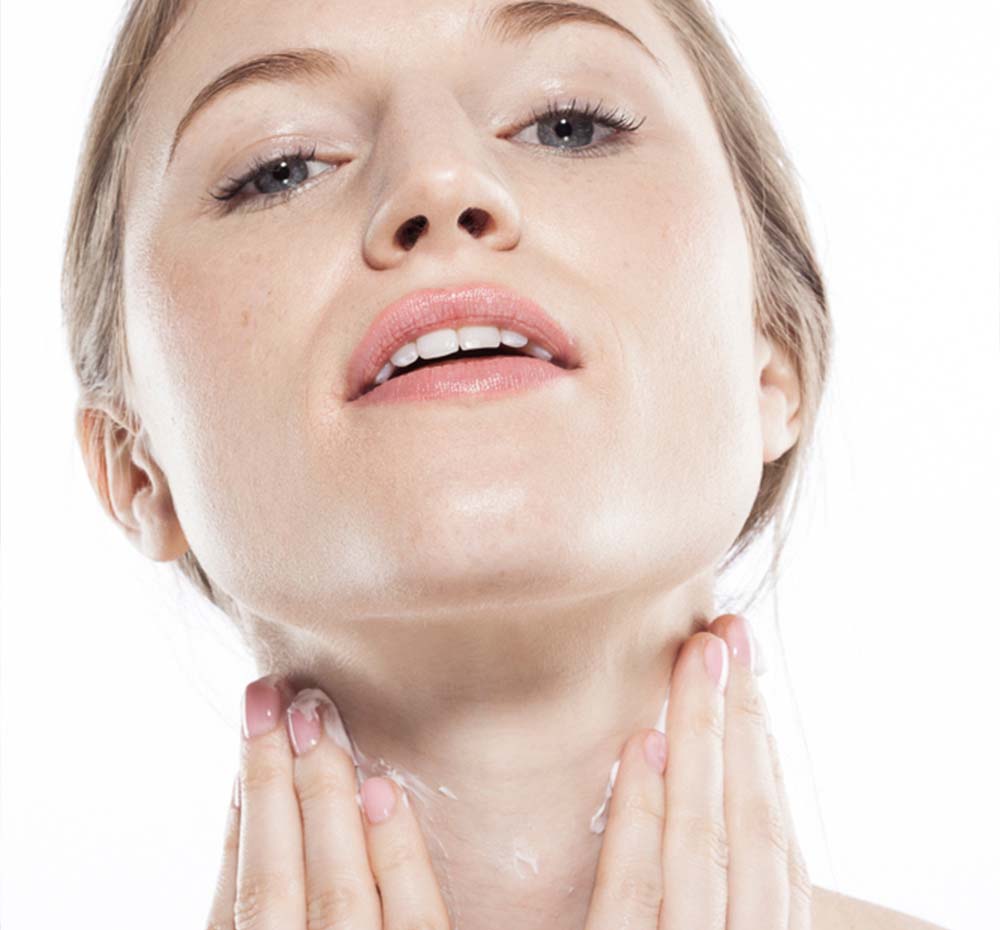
pixel 503 726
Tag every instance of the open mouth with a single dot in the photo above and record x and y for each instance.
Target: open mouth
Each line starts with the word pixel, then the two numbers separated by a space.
pixel 486 371
pixel 461 355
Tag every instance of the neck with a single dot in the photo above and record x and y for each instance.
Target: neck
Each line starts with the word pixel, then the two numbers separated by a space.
pixel 503 724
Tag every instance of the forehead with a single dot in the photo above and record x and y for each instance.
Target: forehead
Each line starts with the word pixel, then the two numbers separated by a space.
pixel 388 27
pixel 376 36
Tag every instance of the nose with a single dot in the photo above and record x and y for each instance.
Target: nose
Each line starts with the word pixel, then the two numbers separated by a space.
pixel 441 189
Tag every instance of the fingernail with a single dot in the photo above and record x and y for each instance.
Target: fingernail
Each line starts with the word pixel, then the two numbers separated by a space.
pixel 262 705
pixel 305 726
pixel 236 791
pixel 740 644
pixel 716 661
pixel 334 726
pixel 378 798
pixel 655 746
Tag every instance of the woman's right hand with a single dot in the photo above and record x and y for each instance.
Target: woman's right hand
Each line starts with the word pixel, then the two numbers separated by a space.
pixel 298 852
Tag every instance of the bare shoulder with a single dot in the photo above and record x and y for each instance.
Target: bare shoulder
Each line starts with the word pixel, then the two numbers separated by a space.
pixel 834 911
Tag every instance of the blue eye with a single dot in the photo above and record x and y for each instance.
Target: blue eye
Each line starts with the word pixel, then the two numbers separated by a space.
pixel 570 127
pixel 567 122
pixel 274 176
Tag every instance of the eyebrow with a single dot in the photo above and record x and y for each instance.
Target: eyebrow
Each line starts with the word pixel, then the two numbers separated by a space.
pixel 509 23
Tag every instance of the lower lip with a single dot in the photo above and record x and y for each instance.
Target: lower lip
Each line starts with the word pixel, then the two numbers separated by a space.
pixel 501 374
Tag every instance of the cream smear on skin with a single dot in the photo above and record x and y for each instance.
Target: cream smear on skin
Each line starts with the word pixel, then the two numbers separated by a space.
pixel 523 859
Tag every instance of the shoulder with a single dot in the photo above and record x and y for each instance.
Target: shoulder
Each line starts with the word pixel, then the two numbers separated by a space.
pixel 834 911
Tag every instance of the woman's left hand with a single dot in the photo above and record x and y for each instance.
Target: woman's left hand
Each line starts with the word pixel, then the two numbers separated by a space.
pixel 709 845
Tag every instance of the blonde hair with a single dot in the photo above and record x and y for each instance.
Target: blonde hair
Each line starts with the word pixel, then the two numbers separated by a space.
pixel 789 300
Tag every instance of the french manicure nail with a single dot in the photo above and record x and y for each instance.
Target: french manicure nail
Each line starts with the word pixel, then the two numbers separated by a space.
pixel 379 799
pixel 655 746
pixel 329 717
pixel 739 641
pixel 305 726
pixel 262 705
pixel 716 656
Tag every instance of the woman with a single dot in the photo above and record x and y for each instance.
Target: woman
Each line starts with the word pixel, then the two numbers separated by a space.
pixel 499 569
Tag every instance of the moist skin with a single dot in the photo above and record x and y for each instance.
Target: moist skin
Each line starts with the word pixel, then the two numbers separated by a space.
pixel 522 859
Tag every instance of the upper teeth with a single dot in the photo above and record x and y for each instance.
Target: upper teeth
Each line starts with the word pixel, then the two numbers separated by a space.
pixel 443 342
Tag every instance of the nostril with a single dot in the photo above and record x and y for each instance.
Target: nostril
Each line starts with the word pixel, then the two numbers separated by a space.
pixel 475 220
pixel 410 231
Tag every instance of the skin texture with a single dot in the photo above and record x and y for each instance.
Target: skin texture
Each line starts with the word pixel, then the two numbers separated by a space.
pixel 492 591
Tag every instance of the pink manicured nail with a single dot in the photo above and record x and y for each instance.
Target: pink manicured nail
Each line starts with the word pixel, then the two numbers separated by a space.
pixel 738 637
pixel 305 726
pixel 717 661
pixel 655 746
pixel 262 705
pixel 378 798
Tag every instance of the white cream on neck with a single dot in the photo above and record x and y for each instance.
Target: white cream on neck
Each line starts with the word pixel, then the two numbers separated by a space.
pixel 522 858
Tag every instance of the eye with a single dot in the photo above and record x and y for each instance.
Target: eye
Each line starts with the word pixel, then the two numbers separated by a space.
pixel 571 128
pixel 271 178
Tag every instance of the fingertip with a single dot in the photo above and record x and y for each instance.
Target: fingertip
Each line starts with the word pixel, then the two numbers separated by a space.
pixel 654 749
pixel 718 626
pixel 378 799
pixel 695 647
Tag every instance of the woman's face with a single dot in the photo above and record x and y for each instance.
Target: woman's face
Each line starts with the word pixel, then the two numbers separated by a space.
pixel 639 468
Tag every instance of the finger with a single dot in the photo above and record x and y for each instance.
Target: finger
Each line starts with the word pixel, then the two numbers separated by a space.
pixel 799 883
pixel 628 888
pixel 695 850
pixel 220 916
pixel 340 888
pixel 399 860
pixel 756 826
pixel 270 881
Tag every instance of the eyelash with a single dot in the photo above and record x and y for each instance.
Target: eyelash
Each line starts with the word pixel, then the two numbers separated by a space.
pixel 614 119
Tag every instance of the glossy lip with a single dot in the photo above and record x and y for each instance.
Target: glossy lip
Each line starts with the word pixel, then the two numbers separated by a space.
pixel 425 310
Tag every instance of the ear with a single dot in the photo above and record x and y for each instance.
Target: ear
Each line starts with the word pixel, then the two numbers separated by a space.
pixel 780 395
pixel 130 484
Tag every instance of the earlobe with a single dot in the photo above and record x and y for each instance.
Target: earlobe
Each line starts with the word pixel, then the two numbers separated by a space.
pixel 780 399
pixel 130 484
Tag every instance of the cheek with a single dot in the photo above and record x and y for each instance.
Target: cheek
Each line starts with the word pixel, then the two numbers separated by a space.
pixel 683 322
pixel 215 354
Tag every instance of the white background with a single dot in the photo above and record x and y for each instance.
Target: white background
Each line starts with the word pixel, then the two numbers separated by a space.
pixel 120 697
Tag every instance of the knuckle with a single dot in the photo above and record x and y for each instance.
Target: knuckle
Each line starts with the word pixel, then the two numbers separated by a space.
pixel 259 894
pixel 261 774
pixel 334 907
pixel 766 821
pixel 396 856
pixel 702 838
pixel 749 704
pixel 641 811
pixel 639 889
pixel 706 721
pixel 321 783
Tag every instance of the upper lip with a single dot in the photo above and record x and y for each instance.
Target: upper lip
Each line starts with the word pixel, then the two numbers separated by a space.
pixel 433 308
